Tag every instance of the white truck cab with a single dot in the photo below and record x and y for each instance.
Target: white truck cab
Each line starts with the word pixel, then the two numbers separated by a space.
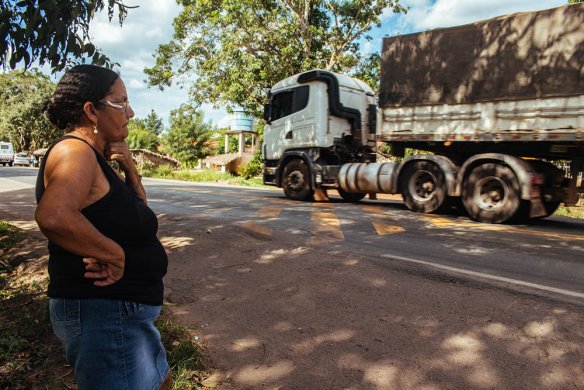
pixel 312 109
pixel 6 153
pixel 316 119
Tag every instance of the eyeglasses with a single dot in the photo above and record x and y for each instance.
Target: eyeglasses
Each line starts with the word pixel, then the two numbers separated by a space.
pixel 120 106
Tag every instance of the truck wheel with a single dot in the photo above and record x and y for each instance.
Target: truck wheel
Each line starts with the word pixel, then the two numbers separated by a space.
pixel 296 181
pixel 491 193
pixel 351 196
pixel 423 187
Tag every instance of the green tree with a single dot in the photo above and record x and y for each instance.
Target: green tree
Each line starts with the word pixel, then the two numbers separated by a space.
pixel 140 137
pixel 154 123
pixel 233 50
pixel 188 136
pixel 368 69
pixel 53 32
pixel 145 133
pixel 23 95
pixel 575 1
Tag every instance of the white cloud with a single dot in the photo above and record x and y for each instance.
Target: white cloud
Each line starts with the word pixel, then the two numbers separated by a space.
pixel 135 84
pixel 133 44
pixel 424 15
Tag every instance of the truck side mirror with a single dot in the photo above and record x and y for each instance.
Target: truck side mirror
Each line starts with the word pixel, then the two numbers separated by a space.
pixel 268 112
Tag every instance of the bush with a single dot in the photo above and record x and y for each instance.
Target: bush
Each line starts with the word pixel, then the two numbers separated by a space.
pixel 254 167
pixel 160 171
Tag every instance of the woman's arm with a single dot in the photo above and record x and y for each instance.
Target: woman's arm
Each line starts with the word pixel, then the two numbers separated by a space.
pixel 71 183
pixel 120 151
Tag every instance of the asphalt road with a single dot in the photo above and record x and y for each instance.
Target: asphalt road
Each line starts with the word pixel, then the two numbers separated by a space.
pixel 543 257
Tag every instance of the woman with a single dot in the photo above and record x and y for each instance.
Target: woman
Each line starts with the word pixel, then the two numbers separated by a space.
pixel 106 263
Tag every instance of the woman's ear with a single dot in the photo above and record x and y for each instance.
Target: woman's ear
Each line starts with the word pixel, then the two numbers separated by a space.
pixel 90 112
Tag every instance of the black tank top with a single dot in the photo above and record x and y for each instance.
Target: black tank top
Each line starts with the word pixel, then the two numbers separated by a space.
pixel 122 216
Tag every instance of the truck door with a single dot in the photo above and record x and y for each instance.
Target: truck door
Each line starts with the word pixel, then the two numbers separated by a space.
pixel 291 122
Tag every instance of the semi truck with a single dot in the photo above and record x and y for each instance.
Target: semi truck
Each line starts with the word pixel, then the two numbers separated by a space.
pixel 493 111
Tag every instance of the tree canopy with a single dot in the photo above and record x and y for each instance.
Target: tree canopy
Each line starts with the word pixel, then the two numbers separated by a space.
pixel 188 136
pixel 23 96
pixel 144 133
pixel 231 51
pixel 53 32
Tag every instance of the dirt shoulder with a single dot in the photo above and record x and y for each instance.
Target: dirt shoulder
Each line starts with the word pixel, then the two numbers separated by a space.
pixel 276 315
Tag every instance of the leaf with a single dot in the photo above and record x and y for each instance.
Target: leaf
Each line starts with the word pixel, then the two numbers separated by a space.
pixel 44 30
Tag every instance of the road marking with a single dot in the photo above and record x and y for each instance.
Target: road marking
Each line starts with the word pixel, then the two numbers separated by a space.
pixel 185 189
pixel 216 210
pixel 441 222
pixel 548 234
pixel 326 228
pixel 370 208
pixel 384 229
pixel 256 228
pixel 488 276
pixel 269 211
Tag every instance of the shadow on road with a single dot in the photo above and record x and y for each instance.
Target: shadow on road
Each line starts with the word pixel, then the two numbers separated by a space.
pixel 277 314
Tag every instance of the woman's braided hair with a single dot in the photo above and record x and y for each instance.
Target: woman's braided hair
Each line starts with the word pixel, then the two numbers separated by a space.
pixel 80 84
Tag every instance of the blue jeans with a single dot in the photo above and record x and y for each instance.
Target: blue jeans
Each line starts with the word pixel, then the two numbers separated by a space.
pixel 110 344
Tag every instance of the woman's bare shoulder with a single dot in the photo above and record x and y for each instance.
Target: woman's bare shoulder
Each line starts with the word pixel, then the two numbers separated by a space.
pixel 71 156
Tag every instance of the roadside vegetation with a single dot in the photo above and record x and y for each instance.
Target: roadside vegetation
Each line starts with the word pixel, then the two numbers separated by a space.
pixel 30 355
pixel 208 176
pixel 572 212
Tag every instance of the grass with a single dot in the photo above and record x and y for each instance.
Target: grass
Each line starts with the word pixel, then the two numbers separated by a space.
pixel 208 176
pixel 573 212
pixel 184 353
pixel 30 355
pixel 9 235
pixel 27 348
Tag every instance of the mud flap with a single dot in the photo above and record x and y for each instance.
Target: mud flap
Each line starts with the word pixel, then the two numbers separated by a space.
pixel 536 208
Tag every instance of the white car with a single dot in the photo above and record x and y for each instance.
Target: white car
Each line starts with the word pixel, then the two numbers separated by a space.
pixel 21 159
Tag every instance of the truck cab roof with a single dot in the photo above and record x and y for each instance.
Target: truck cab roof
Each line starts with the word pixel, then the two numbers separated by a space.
pixel 344 81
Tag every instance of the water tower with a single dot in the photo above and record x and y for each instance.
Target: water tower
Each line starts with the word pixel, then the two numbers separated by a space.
pixel 240 123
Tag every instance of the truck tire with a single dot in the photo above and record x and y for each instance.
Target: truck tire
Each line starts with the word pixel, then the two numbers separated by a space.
pixel 351 196
pixel 491 193
pixel 296 180
pixel 423 187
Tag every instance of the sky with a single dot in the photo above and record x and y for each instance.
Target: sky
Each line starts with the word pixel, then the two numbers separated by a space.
pixel 133 44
